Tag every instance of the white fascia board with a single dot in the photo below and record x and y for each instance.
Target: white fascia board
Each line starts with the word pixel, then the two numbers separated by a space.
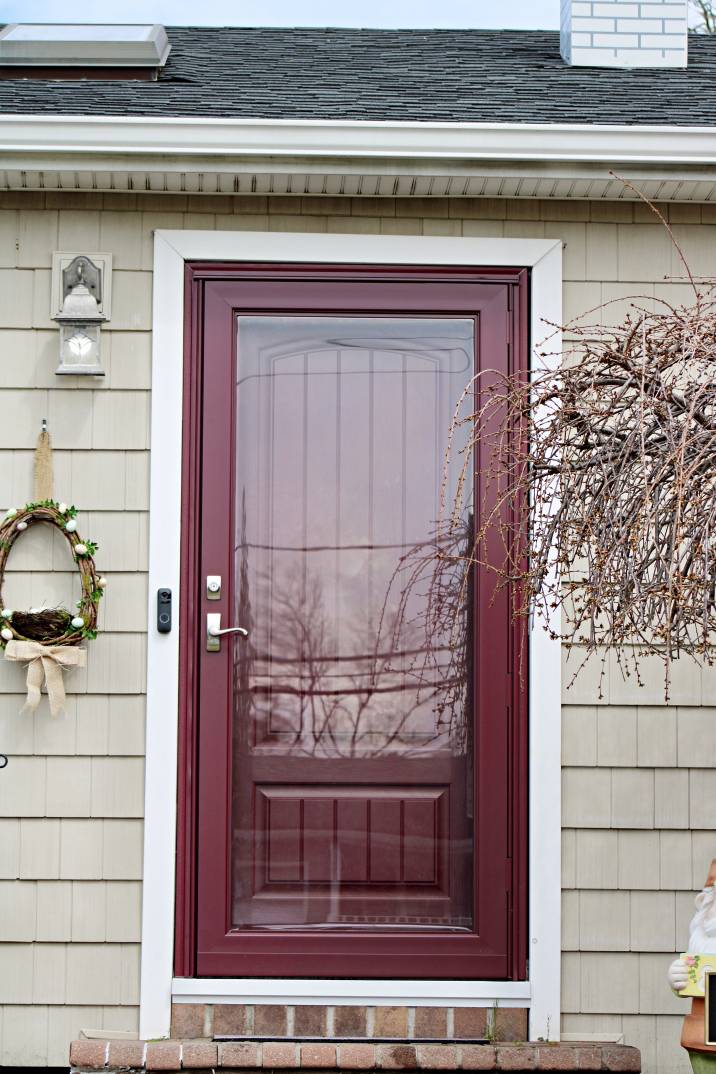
pixel 201 138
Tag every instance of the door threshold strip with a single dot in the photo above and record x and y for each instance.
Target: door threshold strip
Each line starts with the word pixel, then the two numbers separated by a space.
pixel 247 1038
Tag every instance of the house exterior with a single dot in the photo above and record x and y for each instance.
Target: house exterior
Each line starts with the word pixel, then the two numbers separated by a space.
pixel 310 240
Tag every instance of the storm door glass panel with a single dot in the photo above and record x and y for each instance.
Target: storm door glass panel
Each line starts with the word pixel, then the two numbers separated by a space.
pixel 352 702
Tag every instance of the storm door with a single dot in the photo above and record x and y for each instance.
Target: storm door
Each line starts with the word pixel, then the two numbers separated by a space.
pixel 356 739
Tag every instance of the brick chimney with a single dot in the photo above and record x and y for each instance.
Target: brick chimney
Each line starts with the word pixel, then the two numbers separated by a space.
pixel 624 33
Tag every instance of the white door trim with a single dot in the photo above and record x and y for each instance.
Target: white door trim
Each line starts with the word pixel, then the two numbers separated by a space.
pixel 171 250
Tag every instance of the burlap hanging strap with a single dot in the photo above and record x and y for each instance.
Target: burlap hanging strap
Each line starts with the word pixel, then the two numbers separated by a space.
pixel 43 466
pixel 45 663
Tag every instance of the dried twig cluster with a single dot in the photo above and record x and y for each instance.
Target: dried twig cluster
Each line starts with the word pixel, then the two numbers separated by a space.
pixel 615 454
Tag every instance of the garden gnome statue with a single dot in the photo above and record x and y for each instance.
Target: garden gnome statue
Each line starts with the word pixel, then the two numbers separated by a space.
pixel 702 941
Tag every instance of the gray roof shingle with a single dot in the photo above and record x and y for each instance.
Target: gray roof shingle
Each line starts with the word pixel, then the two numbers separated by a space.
pixel 422 75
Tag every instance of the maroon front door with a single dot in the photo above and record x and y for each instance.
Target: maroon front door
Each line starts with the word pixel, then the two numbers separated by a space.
pixel 359 807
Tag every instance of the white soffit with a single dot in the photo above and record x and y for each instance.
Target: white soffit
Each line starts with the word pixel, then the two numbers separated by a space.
pixel 314 157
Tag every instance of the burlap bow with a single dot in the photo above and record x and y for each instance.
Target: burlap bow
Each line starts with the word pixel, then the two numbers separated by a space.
pixel 45 663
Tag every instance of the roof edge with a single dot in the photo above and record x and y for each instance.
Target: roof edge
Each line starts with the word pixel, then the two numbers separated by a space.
pixel 98 136
pixel 178 155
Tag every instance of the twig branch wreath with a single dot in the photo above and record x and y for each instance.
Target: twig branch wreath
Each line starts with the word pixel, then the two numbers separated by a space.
pixel 51 626
pixel 610 444
pixel 44 637
pixel 613 448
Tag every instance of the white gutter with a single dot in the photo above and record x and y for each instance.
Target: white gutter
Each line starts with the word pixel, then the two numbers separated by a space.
pixel 98 137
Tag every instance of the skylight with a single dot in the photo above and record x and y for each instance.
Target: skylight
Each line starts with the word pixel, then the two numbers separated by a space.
pixel 83 45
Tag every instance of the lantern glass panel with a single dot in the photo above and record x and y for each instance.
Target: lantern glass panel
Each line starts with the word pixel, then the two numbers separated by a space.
pixel 80 349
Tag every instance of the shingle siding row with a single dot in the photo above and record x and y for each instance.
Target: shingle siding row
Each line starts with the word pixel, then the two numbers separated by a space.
pixel 638 774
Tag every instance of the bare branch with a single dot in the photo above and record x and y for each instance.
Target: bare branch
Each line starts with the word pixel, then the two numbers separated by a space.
pixel 705 15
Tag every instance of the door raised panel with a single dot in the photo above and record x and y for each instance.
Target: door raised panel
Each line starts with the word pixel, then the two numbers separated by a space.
pixel 368 836
pixel 353 854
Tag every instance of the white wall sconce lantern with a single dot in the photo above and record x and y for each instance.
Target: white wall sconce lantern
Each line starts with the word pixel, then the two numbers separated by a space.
pixel 80 318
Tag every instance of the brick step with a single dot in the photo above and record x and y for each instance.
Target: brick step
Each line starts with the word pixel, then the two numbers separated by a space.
pixel 249 1056
pixel 278 1021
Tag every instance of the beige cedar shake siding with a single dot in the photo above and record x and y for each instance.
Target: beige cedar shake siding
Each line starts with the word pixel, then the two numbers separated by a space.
pixel 639 777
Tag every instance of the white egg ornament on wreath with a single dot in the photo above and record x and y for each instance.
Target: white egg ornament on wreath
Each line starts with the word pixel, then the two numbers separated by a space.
pixel 6 634
pixel 78 622
pixel 71 526
pixel 22 526
pixel 7 613
pixel 80 549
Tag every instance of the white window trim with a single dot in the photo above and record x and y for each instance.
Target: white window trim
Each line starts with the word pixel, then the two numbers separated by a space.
pixel 542 993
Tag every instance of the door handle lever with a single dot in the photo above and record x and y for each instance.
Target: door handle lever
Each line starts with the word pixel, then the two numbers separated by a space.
pixel 214 632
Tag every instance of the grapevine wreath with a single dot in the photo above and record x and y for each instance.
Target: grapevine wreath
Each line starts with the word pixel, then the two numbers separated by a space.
pixel 51 627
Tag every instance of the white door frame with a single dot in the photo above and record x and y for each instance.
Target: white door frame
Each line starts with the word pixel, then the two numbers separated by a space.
pixel 542 992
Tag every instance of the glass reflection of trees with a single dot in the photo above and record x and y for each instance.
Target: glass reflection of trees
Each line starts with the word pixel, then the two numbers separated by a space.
pixel 358 648
pixel 402 686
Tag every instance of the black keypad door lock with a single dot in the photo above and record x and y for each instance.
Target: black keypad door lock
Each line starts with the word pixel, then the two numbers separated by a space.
pixel 164 610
